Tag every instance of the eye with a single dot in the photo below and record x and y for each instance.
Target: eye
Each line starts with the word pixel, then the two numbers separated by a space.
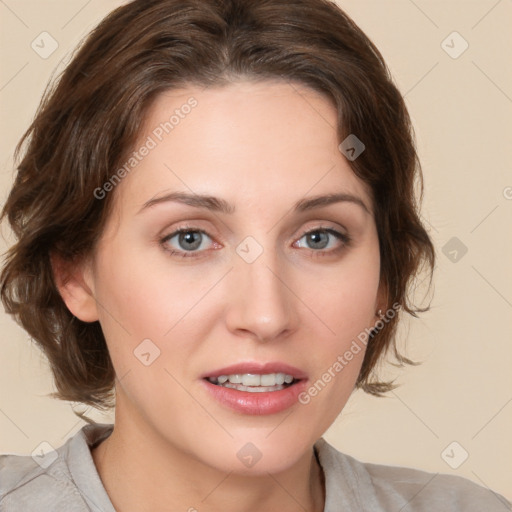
pixel 185 242
pixel 324 238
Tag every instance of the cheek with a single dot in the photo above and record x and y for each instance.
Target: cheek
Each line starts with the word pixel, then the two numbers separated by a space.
pixel 145 320
pixel 345 304
pixel 146 297
pixel 130 302
pixel 345 300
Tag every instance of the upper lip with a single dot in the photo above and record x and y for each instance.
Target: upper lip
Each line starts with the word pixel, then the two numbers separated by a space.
pixel 257 368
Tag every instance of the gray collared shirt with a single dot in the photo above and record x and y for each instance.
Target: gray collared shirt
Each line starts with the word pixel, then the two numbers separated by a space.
pixel 66 480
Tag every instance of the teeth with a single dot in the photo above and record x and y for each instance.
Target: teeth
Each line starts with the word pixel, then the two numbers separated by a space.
pixel 267 380
pixel 249 379
pixel 280 378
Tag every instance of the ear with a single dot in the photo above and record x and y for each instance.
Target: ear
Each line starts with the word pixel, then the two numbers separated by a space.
pixel 75 284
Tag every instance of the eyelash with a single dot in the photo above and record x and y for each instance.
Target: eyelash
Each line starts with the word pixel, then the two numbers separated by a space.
pixel 345 238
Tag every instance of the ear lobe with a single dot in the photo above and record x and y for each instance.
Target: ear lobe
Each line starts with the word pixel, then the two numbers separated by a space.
pixel 71 279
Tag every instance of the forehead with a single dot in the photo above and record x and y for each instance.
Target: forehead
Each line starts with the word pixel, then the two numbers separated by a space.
pixel 247 142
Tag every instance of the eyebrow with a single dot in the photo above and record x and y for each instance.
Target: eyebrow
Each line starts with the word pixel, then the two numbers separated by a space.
pixel 217 204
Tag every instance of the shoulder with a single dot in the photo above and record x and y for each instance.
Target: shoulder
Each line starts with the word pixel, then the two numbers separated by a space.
pixel 381 487
pixel 27 484
pixel 424 491
pixel 46 481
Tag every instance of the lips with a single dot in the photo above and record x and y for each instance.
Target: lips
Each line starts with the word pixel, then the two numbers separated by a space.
pixel 245 399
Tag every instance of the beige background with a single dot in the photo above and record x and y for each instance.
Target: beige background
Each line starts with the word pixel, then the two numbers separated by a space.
pixel 462 110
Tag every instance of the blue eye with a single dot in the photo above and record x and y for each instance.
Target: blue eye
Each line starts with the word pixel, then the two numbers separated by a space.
pixel 320 238
pixel 190 242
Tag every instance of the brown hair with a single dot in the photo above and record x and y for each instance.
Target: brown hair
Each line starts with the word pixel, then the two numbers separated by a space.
pixel 89 120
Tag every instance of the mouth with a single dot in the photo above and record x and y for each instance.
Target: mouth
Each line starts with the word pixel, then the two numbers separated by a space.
pixel 256 388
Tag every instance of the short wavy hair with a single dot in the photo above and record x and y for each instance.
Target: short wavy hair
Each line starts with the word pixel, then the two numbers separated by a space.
pixel 90 117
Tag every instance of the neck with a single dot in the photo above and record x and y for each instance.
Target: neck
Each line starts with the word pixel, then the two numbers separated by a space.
pixel 143 472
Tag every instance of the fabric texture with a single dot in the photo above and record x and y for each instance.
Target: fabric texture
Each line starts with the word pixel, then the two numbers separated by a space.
pixel 66 480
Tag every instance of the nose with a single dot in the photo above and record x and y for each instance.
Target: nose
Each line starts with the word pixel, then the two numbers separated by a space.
pixel 261 302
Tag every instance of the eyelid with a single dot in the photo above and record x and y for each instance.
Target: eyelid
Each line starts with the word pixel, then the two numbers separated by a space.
pixel 324 227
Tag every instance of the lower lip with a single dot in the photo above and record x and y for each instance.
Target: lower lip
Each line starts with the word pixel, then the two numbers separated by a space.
pixel 270 402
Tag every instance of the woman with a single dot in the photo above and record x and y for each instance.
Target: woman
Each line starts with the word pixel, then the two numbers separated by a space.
pixel 217 230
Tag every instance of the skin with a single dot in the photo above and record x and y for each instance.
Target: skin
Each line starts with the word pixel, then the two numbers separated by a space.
pixel 261 147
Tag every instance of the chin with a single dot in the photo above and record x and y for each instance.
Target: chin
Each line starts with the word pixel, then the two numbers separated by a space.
pixel 256 453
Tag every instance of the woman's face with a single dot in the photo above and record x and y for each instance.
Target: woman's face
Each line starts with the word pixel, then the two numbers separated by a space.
pixel 263 280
